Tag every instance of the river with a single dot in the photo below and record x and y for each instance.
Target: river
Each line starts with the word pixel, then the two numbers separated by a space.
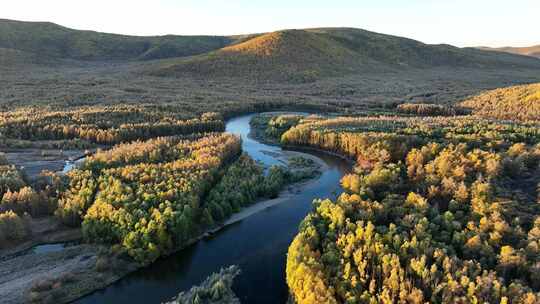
pixel 258 244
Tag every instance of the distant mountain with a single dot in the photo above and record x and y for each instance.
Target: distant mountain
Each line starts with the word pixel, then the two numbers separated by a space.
pixel 303 55
pixel 533 51
pixel 55 41
pixel 518 102
pixel 291 55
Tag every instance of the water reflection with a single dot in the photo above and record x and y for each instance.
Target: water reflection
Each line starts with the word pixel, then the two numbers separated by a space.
pixel 257 244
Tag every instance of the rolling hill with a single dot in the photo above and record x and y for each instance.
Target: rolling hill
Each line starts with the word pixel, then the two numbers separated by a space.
pixel 533 51
pixel 518 102
pixel 291 55
pixel 304 55
pixel 55 41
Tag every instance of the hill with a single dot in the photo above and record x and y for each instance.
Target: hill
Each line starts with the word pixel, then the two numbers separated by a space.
pixel 55 41
pixel 533 51
pixel 518 102
pixel 304 55
pixel 290 55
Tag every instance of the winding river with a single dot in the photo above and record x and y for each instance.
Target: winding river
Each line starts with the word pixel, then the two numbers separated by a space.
pixel 258 244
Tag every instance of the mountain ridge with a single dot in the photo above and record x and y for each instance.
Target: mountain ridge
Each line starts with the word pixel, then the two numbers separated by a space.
pixel 304 54
pixel 297 55
pixel 56 41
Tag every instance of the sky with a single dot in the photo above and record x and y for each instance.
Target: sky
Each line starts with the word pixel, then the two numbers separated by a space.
pixel 457 22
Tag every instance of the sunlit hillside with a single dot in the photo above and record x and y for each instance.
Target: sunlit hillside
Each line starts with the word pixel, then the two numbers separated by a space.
pixel 296 56
pixel 517 102
pixel 309 54
pixel 533 51
pixel 284 54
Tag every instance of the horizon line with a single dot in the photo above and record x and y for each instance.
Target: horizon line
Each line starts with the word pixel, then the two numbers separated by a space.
pixel 266 32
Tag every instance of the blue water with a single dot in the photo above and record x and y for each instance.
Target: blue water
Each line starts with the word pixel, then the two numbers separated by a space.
pixel 48 248
pixel 257 244
pixel 257 150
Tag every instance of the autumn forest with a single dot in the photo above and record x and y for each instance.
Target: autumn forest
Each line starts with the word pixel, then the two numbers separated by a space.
pixel 300 166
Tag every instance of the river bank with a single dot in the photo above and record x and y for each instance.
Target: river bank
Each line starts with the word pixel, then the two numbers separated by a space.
pixel 98 277
pixel 283 196
pixel 45 230
pixel 33 161
pixel 256 239
pixel 258 132
pixel 42 277
pixel 216 289
pixel 21 272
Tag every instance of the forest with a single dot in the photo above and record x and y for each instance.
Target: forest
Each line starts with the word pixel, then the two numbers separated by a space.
pixel 104 125
pixel 439 210
pixel 114 155
pixel 441 206
pixel 153 197
pixel 518 102
pixel 149 197
pixel 132 202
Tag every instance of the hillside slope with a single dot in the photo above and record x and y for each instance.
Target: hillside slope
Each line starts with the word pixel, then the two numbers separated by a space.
pixel 533 51
pixel 52 40
pixel 517 102
pixel 13 58
pixel 304 55
pixel 291 55
pixel 408 52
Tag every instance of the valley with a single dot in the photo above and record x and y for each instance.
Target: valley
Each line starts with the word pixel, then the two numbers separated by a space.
pixel 317 165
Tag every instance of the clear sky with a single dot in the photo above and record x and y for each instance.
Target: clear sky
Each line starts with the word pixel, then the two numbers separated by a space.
pixel 457 22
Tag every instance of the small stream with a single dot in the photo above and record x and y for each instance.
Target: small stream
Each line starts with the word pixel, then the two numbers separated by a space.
pixel 257 244
pixel 49 248
pixel 72 164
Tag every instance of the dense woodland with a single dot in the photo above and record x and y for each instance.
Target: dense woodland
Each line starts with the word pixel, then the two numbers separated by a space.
pixel 518 102
pixel 146 196
pixel 83 126
pixel 243 182
pixel 429 109
pixel 155 196
pixel 104 125
pixel 437 210
pixel 369 139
